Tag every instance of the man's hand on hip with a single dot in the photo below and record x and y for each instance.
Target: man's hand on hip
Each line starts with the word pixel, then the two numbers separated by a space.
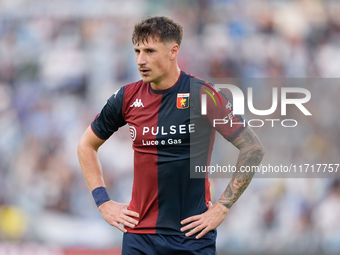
pixel 206 221
pixel 117 213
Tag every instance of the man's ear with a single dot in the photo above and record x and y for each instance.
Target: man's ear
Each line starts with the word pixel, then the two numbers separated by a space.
pixel 174 51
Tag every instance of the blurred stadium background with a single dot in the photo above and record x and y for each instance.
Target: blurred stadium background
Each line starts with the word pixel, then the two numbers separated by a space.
pixel 61 59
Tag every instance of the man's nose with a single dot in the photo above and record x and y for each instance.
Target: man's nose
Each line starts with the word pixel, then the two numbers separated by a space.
pixel 141 59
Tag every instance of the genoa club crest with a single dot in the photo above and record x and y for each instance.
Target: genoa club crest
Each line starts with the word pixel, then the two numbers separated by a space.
pixel 183 100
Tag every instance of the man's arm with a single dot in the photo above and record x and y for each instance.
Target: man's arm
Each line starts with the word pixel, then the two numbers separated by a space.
pixel 251 153
pixel 88 158
pixel 114 213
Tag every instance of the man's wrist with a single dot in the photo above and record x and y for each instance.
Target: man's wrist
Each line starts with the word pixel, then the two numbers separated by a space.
pixel 100 195
pixel 225 204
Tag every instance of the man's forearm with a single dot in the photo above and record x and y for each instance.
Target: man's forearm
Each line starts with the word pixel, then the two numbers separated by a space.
pixel 91 168
pixel 251 153
pixel 89 161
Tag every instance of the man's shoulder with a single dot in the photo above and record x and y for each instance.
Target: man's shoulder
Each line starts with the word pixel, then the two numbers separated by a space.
pixel 134 85
pixel 197 82
pixel 193 76
pixel 130 88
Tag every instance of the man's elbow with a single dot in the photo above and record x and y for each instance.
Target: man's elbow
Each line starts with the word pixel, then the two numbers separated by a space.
pixel 256 150
pixel 80 147
pixel 260 151
pixel 88 142
pixel 83 145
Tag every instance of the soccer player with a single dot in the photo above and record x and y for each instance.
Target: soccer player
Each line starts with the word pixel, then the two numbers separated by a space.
pixel 169 212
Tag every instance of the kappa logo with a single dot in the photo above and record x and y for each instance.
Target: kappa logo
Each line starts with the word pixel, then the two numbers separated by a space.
pixel 137 103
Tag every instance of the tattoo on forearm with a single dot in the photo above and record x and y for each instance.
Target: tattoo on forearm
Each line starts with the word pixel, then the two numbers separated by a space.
pixel 251 153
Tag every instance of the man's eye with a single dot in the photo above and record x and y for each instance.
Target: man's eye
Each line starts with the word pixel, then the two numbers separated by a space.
pixel 150 51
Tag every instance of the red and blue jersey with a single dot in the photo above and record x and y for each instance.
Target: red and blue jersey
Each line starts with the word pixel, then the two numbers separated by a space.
pixel 170 136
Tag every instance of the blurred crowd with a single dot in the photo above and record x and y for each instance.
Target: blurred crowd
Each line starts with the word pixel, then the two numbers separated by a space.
pixel 61 60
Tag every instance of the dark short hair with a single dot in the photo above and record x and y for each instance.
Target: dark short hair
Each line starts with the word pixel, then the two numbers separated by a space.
pixel 162 28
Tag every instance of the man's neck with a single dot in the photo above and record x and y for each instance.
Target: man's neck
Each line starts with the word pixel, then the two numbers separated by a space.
pixel 168 81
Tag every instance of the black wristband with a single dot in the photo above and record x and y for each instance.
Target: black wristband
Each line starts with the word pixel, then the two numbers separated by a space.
pixel 100 195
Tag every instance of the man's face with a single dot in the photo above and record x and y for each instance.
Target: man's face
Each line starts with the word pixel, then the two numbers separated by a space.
pixel 153 59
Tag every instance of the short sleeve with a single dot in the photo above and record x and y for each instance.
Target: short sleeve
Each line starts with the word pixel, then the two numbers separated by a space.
pixel 220 115
pixel 111 116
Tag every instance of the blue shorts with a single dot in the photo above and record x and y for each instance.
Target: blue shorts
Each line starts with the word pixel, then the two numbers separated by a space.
pixel 154 244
